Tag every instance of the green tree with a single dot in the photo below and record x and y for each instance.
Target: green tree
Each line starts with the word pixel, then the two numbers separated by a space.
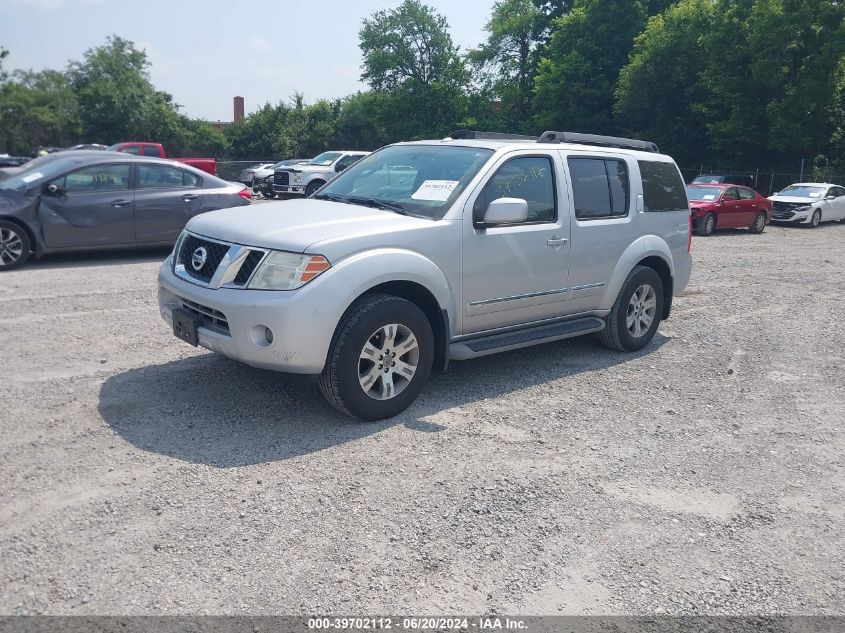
pixel 576 77
pixel 113 87
pixel 507 56
pixel 3 54
pixel 659 96
pixel 37 108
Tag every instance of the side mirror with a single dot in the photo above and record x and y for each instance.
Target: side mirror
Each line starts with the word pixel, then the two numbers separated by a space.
pixel 506 211
pixel 52 189
pixel 830 197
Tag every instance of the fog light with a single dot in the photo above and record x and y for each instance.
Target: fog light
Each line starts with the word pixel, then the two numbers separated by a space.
pixel 260 335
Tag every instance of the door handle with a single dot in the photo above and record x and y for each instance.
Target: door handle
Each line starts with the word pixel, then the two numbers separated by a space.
pixel 556 241
pixel 120 203
pixel 190 196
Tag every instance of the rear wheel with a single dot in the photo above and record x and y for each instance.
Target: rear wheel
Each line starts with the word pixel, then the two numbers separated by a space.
pixel 636 313
pixel 816 219
pixel 312 187
pixel 707 225
pixel 14 246
pixel 759 223
pixel 380 358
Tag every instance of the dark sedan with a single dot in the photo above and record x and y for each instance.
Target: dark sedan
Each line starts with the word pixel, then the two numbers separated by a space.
pixel 92 199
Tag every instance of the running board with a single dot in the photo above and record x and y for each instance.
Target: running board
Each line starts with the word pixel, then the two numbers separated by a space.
pixel 494 343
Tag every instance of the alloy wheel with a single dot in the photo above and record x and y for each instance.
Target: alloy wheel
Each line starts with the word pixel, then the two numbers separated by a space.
pixel 11 247
pixel 388 361
pixel 760 223
pixel 641 311
pixel 709 224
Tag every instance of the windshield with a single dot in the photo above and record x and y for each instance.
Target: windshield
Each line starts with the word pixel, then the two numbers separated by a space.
pixel 114 147
pixel 324 159
pixel 801 191
pixel 703 193
pixel 38 171
pixel 706 180
pixel 420 180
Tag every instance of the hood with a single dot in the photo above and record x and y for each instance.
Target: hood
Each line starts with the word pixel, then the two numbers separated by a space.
pixel 308 168
pixel 294 225
pixel 794 200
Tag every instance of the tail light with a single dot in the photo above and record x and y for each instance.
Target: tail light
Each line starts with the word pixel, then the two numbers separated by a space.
pixel 689 237
pixel 244 193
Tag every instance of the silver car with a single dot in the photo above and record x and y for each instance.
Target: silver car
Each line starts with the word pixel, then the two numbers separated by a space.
pixel 83 200
pixel 432 251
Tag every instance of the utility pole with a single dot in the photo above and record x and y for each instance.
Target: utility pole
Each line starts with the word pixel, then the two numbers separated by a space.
pixel 801 177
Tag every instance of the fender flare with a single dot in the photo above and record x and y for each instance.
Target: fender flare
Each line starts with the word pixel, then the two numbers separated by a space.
pixel 640 249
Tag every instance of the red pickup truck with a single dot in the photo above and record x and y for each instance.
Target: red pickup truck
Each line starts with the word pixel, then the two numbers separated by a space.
pixel 156 150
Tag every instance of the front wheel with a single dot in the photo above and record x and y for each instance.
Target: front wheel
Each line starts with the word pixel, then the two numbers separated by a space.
pixel 14 246
pixel 312 187
pixel 379 359
pixel 816 219
pixel 707 225
pixel 759 223
pixel 636 313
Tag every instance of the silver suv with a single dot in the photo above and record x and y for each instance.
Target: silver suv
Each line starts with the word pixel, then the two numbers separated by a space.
pixel 432 251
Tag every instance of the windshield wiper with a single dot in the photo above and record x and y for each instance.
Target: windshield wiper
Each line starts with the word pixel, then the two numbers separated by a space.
pixel 365 202
pixel 379 204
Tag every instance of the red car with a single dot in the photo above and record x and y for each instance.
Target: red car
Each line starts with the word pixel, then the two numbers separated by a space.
pixel 717 206
pixel 208 165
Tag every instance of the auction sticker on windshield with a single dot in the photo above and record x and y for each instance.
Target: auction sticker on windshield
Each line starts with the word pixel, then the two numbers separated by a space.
pixel 36 175
pixel 439 190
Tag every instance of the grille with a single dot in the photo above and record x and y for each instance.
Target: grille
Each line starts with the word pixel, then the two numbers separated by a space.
pixel 281 177
pixel 215 253
pixel 209 317
pixel 248 267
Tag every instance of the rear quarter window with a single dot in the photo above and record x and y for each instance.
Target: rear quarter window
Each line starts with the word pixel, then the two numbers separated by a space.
pixel 663 187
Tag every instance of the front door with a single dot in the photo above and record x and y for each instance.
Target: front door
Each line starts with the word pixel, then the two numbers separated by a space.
pixel 730 213
pixel 95 206
pixel 166 197
pixel 748 206
pixel 517 273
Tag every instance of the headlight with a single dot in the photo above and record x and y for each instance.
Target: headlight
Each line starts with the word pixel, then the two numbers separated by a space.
pixel 802 209
pixel 296 177
pixel 288 271
pixel 176 248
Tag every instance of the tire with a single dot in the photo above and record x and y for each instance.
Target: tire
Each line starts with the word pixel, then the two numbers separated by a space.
pixel 759 224
pixel 15 246
pixel 269 195
pixel 355 385
pixel 312 187
pixel 816 218
pixel 707 225
pixel 619 332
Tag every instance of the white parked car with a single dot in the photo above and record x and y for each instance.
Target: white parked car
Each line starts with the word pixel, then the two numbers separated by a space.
pixel 809 203
pixel 304 180
pixel 254 172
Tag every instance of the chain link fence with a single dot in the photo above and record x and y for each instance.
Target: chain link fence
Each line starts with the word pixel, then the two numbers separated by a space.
pixel 768 182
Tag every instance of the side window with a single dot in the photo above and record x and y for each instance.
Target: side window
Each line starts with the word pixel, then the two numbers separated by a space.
pixel 732 192
pixel 160 177
pixel 346 161
pixel 150 150
pixel 530 178
pixel 131 149
pixel 191 180
pixel 746 194
pixel 97 178
pixel 663 188
pixel 600 187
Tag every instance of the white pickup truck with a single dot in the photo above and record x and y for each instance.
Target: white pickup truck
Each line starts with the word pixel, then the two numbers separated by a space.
pixel 303 180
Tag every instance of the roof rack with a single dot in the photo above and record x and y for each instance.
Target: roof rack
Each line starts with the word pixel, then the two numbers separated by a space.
pixel 470 135
pixel 551 136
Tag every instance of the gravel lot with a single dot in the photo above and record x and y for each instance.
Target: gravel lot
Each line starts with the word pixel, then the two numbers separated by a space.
pixel 702 475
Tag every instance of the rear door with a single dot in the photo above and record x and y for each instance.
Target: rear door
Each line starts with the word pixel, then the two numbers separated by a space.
pixel 602 217
pixel 835 208
pixel 166 197
pixel 748 206
pixel 96 208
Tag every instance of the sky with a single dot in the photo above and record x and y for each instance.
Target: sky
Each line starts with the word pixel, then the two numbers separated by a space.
pixel 204 52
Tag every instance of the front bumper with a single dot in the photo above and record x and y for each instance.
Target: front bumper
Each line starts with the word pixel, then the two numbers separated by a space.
pixel 289 189
pixel 302 321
